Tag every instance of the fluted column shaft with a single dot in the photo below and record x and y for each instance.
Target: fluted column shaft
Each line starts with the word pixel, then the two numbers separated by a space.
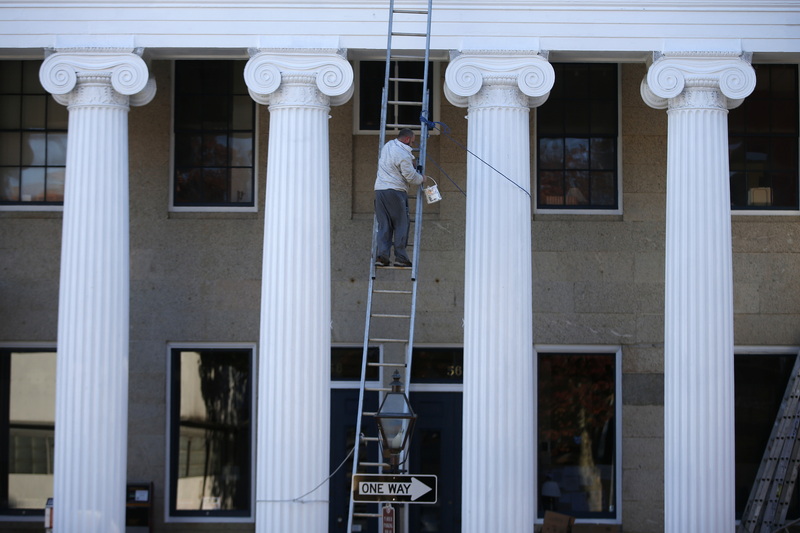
pixel 92 369
pixel 499 424
pixel 699 460
pixel 294 362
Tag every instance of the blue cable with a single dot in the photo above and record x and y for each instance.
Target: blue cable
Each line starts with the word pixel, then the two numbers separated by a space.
pixel 446 132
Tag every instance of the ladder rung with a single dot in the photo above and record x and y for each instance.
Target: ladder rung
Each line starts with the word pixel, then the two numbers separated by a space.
pixel 377 315
pixel 368 515
pixel 404 102
pixel 396 365
pixel 385 465
pixel 405 56
pixel 390 291
pixel 371 439
pixel 408 34
pixel 401 126
pixel 388 340
pixel 409 80
pixel 369 413
pixel 378 389
pixel 410 11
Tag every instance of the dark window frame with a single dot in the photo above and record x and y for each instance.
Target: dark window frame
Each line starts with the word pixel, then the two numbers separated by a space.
pixel 28 90
pixel 246 513
pixel 579 183
pixel 370 75
pixel 615 422
pixel 752 433
pixel 5 430
pixel 756 166
pixel 206 168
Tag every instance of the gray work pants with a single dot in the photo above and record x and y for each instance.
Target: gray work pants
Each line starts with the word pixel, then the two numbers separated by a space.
pixel 391 211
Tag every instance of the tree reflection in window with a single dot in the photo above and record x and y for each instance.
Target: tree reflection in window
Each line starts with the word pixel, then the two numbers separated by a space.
pixel 211 444
pixel 577 434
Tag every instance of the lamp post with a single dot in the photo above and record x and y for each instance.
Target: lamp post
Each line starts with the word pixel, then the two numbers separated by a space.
pixel 395 420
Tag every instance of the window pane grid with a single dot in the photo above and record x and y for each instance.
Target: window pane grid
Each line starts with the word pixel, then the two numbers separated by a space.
pixel 577 139
pixel 214 135
pixel 34 135
pixel 762 144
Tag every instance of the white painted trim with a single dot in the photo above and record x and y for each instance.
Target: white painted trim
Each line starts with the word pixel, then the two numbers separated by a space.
pixel 765 350
pixel 32 208
pixel 26 345
pixel 616 350
pixel 171 208
pixel 254 418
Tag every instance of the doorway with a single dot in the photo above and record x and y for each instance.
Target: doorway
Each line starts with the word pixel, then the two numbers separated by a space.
pixel 435 449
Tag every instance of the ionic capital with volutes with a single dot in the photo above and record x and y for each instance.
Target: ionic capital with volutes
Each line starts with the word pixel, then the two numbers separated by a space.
pixel 97 77
pixel 299 77
pixel 498 78
pixel 698 80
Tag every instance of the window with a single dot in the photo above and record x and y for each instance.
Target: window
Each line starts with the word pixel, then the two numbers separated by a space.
pixel 371 75
pixel 576 135
pixel 214 132
pixel 33 139
pixel 760 382
pixel 27 429
pixel 579 428
pixel 211 432
pixel 762 142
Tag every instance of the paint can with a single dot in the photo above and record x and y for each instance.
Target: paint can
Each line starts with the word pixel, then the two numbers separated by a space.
pixel 432 194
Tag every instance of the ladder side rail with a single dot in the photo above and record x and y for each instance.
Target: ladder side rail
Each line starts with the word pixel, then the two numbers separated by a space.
pixel 363 384
pixel 782 471
pixel 790 483
pixel 423 150
pixel 367 325
pixel 386 76
pixel 759 496
pixel 754 510
pixel 757 504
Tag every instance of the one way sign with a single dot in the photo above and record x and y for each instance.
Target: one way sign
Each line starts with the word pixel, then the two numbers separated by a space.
pixel 394 488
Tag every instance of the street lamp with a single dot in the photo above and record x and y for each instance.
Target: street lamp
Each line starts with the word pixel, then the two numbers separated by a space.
pixel 395 420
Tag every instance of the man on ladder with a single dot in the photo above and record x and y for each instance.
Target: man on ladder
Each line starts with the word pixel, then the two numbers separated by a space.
pixel 396 172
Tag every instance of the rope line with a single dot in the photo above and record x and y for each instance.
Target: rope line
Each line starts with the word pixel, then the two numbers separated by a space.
pixel 300 499
pixel 445 130
pixel 437 165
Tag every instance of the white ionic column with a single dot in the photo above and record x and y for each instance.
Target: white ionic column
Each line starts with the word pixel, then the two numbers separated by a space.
pixel 294 360
pixel 499 430
pixel 698 90
pixel 91 436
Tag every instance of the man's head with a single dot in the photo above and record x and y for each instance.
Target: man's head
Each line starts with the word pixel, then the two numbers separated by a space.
pixel 406 136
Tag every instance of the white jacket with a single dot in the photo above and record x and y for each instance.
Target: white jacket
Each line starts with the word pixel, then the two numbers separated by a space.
pixel 396 168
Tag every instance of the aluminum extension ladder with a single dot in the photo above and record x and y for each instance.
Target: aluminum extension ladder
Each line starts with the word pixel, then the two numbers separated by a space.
pixel 772 490
pixel 392 299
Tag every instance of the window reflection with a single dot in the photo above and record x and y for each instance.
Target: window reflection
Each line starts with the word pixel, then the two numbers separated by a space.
pixel 34 144
pixel 214 135
pixel 211 444
pixel 577 434
pixel 27 379
pixel 762 142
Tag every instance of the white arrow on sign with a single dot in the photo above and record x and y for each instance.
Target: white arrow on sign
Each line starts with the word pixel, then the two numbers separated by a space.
pixel 416 488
